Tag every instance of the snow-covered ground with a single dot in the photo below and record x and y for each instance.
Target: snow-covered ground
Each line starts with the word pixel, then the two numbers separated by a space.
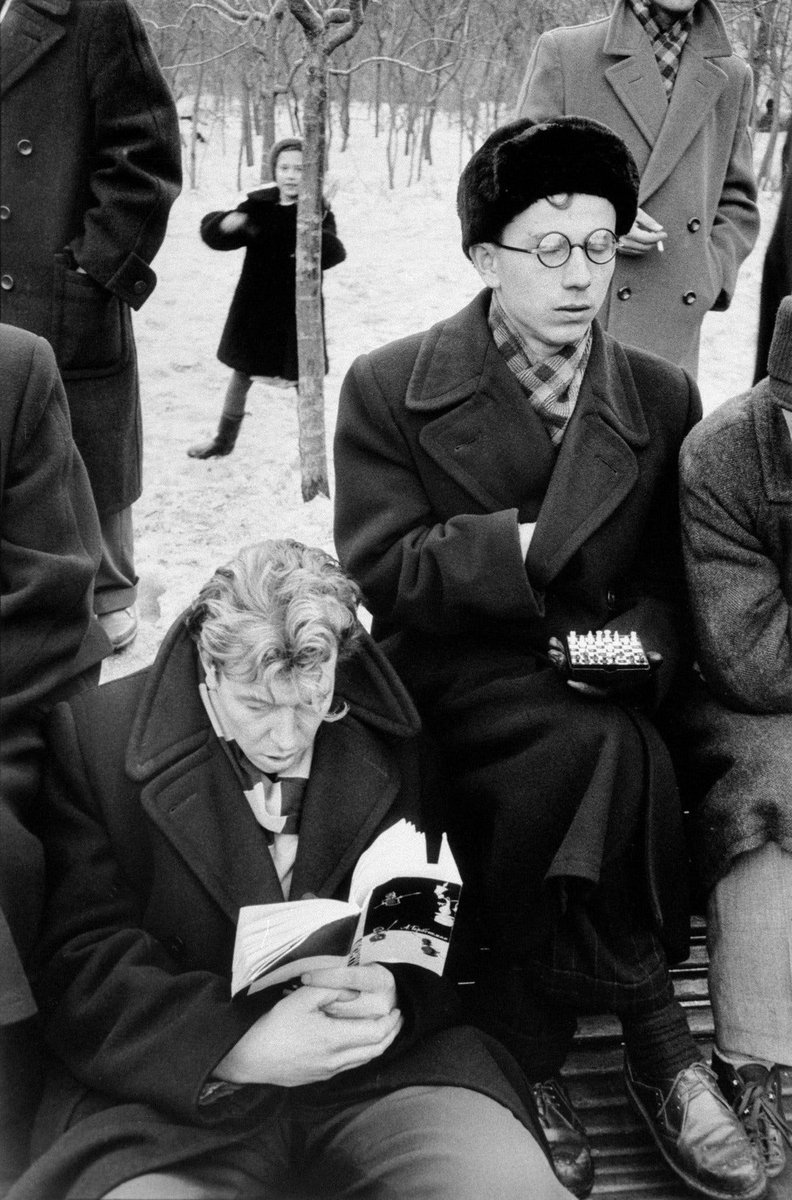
pixel 404 270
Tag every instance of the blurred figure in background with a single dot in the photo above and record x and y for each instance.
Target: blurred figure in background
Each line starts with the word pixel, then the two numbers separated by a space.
pixel 91 163
pixel 663 75
pixel 260 334
pixel 777 270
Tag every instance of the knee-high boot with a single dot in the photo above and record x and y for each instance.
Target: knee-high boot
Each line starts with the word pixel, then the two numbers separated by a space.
pixel 223 441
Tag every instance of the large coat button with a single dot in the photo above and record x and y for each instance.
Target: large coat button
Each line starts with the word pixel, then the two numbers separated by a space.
pixel 6 283
pixel 25 146
pixel 5 212
pixel 694 224
pixel 139 287
pixel 624 293
pixel 689 298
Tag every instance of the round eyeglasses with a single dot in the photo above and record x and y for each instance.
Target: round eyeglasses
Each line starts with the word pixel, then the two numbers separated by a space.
pixel 554 249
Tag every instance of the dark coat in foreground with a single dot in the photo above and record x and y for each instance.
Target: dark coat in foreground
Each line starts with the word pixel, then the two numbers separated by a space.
pixel 152 849
pixel 260 333
pixel 438 455
pixel 776 274
pixel 49 547
pixel 735 733
pixel 91 163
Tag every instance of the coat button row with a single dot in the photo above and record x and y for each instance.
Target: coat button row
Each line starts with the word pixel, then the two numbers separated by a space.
pixel 25 146
pixel 624 293
pixel 6 282
pixel 5 212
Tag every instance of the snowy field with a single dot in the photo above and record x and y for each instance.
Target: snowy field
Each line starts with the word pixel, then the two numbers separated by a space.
pixel 404 270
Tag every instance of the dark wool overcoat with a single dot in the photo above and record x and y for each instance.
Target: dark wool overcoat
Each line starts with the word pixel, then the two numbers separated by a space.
pixel 49 550
pixel 260 333
pixel 151 851
pixel 776 274
pixel 735 733
pixel 693 154
pixel 91 163
pixel 438 455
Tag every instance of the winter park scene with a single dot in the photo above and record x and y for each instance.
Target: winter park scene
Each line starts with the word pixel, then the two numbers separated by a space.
pixel 432 566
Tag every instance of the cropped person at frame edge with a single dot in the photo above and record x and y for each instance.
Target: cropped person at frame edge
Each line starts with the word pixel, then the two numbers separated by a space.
pixel 663 75
pixel 266 748
pixel 91 164
pixel 504 478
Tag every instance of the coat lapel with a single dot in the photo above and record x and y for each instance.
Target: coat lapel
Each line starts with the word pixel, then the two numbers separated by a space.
pixel 634 77
pixel 29 32
pixel 482 431
pixel 351 789
pixel 189 788
pixel 597 465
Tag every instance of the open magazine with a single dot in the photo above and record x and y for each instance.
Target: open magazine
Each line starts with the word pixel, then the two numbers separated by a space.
pixel 401 908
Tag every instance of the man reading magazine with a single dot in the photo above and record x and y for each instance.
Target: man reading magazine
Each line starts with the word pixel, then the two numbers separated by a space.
pixel 268 746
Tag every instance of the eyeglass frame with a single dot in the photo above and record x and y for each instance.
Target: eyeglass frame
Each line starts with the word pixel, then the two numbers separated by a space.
pixel 571 246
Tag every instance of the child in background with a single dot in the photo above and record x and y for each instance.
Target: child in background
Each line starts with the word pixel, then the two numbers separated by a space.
pixel 260 334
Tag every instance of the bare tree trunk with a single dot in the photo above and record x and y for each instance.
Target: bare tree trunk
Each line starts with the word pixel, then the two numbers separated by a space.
pixel 194 124
pixel 310 335
pixel 247 132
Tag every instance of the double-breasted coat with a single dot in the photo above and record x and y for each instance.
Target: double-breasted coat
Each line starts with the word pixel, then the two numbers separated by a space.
pixel 735 730
pixel 260 333
pixel 438 455
pixel 693 155
pixel 152 849
pixel 91 163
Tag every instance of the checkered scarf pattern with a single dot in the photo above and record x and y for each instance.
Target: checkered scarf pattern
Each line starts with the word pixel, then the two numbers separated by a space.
pixel 668 41
pixel 553 384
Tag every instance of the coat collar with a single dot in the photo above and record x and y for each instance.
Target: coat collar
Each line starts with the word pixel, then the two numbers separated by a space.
pixel 774 440
pixel 481 430
pixel 668 128
pixel 30 30
pixel 190 792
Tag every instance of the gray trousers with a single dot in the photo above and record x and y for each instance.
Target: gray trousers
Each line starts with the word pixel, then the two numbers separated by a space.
pixel 436 1143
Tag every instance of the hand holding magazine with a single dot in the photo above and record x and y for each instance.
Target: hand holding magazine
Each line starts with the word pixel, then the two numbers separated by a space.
pixel 401 908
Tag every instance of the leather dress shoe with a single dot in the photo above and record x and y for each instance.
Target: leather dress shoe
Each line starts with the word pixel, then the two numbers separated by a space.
pixel 120 626
pixel 697 1133
pixel 754 1092
pixel 566 1138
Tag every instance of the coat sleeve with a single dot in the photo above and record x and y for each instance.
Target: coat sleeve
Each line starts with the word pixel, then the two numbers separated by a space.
pixel 742 618
pixel 416 571
pixel 135 170
pixel 216 238
pixel 333 251
pixel 50 549
pixel 115 1006
pixel 736 225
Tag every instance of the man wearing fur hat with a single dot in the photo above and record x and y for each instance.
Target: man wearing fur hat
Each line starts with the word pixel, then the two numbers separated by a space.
pixel 502 479
pixel 663 75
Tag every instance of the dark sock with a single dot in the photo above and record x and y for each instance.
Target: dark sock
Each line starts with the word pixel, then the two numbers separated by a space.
pixel 659 1044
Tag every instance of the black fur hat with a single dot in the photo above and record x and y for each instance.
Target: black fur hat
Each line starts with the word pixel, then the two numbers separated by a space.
pixel 525 161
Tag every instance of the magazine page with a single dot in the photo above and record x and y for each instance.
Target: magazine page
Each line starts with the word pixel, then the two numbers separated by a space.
pixel 408 919
pixel 276 942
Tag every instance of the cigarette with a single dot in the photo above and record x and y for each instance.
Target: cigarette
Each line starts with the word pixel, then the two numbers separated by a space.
pixel 660 247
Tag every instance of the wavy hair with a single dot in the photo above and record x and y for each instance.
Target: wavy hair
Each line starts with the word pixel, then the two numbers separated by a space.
pixel 278 609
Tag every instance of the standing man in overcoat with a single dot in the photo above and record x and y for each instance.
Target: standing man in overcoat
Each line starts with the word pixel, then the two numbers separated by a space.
pixel 91 163
pixel 663 75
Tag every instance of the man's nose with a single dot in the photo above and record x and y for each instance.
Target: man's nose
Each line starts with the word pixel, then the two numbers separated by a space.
pixel 284 728
pixel 577 268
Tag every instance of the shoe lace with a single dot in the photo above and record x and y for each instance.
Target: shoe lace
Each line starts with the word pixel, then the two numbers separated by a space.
pixel 760 1118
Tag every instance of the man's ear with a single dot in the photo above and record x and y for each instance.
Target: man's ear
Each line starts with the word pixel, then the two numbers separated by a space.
pixel 483 257
pixel 209 670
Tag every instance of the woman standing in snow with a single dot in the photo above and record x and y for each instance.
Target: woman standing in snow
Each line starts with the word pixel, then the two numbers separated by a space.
pixel 260 334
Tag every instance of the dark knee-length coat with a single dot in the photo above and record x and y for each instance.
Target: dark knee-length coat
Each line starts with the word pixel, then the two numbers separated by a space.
pixel 151 851
pixel 438 455
pixel 260 333
pixel 91 164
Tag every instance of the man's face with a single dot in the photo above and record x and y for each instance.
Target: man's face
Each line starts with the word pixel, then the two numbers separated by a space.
pixel 272 725
pixel 675 8
pixel 550 306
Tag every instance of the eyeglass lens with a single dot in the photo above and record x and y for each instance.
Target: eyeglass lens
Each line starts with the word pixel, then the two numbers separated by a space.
pixel 555 248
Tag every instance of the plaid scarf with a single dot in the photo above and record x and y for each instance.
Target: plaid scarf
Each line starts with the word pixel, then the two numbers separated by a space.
pixel 553 384
pixel 276 801
pixel 667 36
